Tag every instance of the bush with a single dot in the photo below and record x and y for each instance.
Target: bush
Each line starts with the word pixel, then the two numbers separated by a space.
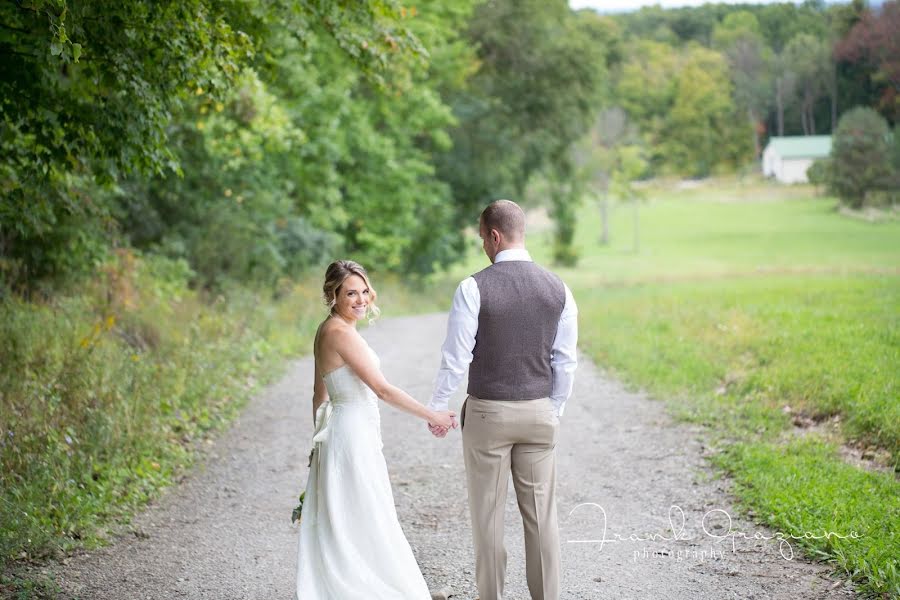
pixel 105 392
pixel 860 157
pixel 818 173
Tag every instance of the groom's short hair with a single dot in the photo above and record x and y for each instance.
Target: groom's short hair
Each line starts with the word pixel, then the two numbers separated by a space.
pixel 505 216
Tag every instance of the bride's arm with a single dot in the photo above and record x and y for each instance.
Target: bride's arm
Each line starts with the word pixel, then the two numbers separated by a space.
pixel 353 350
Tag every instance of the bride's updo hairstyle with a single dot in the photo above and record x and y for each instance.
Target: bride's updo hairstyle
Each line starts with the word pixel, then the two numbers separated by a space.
pixel 335 276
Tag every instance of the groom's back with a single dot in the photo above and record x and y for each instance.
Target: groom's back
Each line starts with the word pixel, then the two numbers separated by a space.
pixel 521 304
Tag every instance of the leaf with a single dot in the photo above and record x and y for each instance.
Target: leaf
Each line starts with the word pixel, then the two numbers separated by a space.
pixel 295 514
pixel 55 48
pixel 76 51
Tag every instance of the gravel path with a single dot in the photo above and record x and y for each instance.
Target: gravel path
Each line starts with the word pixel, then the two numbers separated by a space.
pixel 224 533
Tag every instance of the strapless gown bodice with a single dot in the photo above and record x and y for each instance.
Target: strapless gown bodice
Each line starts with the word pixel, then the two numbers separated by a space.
pixel 345 387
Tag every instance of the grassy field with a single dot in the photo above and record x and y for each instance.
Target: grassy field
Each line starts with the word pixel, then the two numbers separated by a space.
pixel 761 312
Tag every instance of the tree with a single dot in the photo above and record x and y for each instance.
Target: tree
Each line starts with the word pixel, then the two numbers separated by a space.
pixel 646 88
pixel 700 134
pixel 629 166
pixel 535 91
pixel 600 157
pixel 90 90
pixel 860 157
pixel 785 89
pixel 808 59
pixel 87 96
pixel 873 42
pixel 750 61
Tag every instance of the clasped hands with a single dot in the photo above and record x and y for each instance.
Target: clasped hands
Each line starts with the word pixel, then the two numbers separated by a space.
pixel 448 422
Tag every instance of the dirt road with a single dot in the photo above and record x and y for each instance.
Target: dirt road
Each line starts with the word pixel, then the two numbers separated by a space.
pixel 224 533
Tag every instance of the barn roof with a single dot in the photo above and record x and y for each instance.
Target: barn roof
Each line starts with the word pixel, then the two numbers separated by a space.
pixel 801 146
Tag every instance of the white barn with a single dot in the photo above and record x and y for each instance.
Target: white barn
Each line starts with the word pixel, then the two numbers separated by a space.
pixel 787 158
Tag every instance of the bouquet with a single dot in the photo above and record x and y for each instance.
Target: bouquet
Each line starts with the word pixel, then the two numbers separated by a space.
pixel 295 514
pixel 323 413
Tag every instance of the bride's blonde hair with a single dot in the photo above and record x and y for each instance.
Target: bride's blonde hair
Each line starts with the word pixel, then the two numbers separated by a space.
pixel 335 276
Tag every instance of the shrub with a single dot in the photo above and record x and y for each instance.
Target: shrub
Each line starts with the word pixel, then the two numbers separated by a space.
pixel 860 157
pixel 818 173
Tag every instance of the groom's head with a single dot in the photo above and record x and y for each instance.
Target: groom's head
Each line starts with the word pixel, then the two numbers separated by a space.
pixel 502 226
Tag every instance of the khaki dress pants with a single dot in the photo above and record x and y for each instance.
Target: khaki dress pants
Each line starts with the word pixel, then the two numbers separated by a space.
pixel 519 437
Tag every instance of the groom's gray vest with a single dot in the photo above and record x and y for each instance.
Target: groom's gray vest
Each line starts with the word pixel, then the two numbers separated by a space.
pixel 520 308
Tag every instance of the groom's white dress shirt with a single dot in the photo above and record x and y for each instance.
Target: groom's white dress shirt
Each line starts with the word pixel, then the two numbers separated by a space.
pixel 456 353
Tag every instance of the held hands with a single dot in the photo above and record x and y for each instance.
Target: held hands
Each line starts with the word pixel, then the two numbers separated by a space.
pixel 441 422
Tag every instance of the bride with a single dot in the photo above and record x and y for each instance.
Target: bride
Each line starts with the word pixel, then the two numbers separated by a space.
pixel 351 544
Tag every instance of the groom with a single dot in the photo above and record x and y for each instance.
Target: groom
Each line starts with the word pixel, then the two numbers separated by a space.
pixel 514 326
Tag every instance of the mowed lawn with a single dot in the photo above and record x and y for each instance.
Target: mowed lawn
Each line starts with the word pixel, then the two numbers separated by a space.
pixel 763 313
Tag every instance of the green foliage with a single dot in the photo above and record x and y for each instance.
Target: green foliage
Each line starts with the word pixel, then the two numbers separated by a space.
pixel 564 211
pixel 646 90
pixel 629 167
pixel 88 93
pixel 298 510
pixel 106 392
pixel 681 101
pixel 802 92
pixel 127 120
pixel 817 173
pixel 540 78
pixel 895 153
pixel 236 155
pixel 860 157
pixel 25 585
pixel 701 135
pixel 750 67
pixel 803 489
pixel 807 61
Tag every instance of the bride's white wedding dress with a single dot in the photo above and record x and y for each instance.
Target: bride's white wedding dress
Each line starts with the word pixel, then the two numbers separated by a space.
pixel 351 543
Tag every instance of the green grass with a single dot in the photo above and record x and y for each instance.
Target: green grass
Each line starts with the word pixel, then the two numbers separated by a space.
pixel 818 345
pixel 845 514
pixel 746 306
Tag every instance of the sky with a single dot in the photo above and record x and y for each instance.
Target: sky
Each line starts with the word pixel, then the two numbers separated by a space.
pixel 623 5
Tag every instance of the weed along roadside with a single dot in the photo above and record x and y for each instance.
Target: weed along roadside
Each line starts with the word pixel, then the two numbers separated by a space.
pixel 110 395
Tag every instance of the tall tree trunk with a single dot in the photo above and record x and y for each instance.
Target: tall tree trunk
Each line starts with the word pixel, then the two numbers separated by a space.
pixel 637 226
pixel 779 104
pixel 753 123
pixel 812 119
pixel 832 91
pixel 604 219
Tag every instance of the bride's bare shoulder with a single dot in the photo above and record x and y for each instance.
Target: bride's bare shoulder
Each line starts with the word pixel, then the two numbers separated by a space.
pixel 332 332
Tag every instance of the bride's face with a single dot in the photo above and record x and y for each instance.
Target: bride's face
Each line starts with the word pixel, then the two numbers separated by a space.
pixel 352 298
